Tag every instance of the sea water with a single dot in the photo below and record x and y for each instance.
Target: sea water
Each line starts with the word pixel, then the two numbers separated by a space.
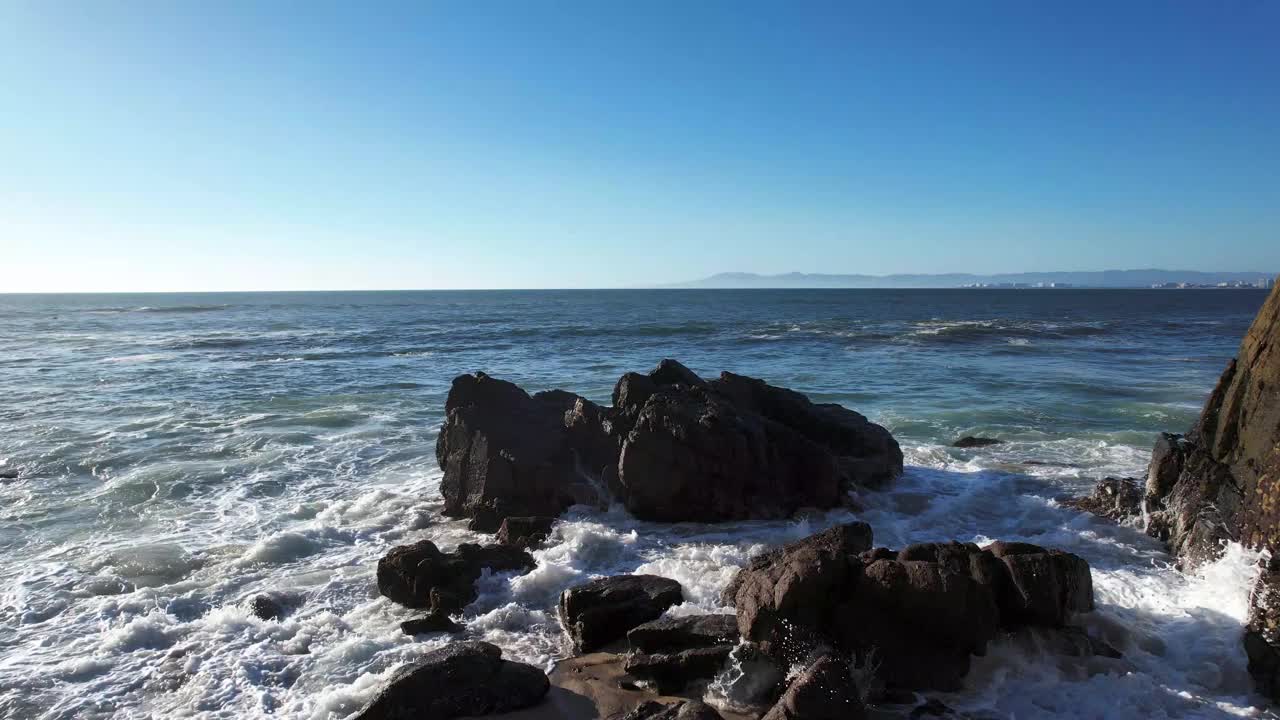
pixel 177 454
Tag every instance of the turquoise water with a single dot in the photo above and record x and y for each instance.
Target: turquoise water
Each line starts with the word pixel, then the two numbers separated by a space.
pixel 177 453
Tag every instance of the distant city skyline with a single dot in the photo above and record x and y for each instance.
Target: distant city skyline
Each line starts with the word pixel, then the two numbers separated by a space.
pixel 246 146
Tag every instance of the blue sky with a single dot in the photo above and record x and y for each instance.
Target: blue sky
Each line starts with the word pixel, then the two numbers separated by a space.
pixel 329 145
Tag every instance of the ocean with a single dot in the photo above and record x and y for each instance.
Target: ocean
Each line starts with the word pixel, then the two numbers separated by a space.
pixel 178 453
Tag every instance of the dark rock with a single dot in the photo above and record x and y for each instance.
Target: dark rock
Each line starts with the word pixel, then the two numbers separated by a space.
pixel 8 474
pixel 683 710
pixel 1114 498
pixel 824 691
pixel 969 441
pixel 459 680
pixel 524 532
pixel 670 634
pixel 266 607
pixel 919 614
pixel 670 672
pixel 1262 633
pixel 598 612
pixel 506 454
pixel 419 575
pixel 432 622
pixel 1077 642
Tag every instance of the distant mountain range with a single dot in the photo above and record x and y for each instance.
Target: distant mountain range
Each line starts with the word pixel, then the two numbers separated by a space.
pixel 1096 279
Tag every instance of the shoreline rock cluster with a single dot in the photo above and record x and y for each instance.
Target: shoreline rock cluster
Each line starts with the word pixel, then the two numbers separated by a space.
pixel 857 623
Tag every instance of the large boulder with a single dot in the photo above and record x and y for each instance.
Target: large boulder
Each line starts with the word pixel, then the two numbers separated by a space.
pixel 421 576
pixel 524 532
pixel 670 652
pixel 459 680
pixel 601 611
pixel 669 673
pixel 506 453
pixel 918 614
pixel 673 447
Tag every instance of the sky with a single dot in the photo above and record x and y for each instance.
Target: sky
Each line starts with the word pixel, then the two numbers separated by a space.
pixel 170 145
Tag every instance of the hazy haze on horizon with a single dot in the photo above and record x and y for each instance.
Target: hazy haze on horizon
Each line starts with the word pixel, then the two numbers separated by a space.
pixel 178 146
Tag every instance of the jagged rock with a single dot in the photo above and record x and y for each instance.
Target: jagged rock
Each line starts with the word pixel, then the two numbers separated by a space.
pixel 266 607
pixel 969 441
pixel 505 453
pixel 419 575
pixel 683 710
pixel 524 532
pixel 669 634
pixel 596 613
pixel 670 672
pixel 673 447
pixel 435 621
pixel 919 613
pixel 459 680
pixel 1114 498
pixel 824 691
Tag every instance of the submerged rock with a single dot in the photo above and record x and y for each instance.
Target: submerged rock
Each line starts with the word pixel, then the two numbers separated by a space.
pixel 918 614
pixel 1114 498
pixel 969 441
pixel 599 612
pixel 459 680
pixel 434 621
pixel 265 607
pixel 420 575
pixel 683 710
pixel 673 447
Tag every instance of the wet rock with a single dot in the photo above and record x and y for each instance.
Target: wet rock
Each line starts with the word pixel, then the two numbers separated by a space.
pixel 8 474
pixel 670 672
pixel 599 612
pixel 970 441
pixel 919 614
pixel 459 680
pixel 824 691
pixel 505 453
pixel 1113 498
pixel 265 607
pixel 420 575
pixel 1262 633
pixel 1077 642
pixel 668 634
pixel 432 622
pixel 524 532
pixel 683 710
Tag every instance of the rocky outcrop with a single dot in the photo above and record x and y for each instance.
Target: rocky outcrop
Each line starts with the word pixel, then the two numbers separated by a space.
pixel 524 532
pixel 1221 481
pixel 265 607
pixel 420 576
pixel 673 447
pixel 1114 498
pixel 670 672
pixel 824 691
pixel 458 680
pixel 670 652
pixel 433 622
pixel 599 612
pixel 918 614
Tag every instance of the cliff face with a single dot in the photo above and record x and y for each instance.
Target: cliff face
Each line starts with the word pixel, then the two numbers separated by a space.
pixel 1221 482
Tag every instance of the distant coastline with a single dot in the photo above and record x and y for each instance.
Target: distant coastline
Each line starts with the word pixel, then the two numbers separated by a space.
pixel 1151 278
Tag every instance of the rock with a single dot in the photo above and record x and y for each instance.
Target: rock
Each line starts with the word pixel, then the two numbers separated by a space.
pixel 670 672
pixel 266 607
pixel 524 532
pixel 459 680
pixel 970 441
pixel 8 474
pixel 603 610
pixel 1167 458
pixel 683 710
pixel 432 622
pixel 919 614
pixel 824 691
pixel 505 453
pixel 1076 642
pixel 419 575
pixel 673 447
pixel 669 634
pixel 785 596
pixel 1114 498
pixel 1262 633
